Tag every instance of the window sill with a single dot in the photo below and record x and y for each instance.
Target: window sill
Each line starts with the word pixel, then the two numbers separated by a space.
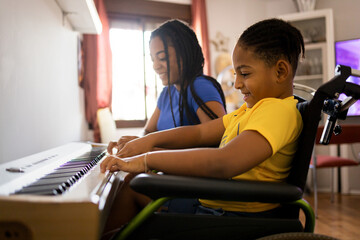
pixel 130 123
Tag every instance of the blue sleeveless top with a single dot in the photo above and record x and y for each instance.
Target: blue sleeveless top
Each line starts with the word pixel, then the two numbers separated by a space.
pixel 204 88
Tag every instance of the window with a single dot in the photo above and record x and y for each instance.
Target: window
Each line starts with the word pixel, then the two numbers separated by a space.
pixel 135 84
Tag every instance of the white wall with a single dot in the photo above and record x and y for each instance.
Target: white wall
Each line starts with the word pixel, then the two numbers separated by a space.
pixel 232 17
pixel 346 17
pixel 41 103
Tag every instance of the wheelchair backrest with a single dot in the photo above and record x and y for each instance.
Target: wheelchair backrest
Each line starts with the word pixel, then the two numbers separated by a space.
pixel 311 114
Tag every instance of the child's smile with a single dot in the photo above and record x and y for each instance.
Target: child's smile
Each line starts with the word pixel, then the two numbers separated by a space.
pixel 254 78
pixel 246 96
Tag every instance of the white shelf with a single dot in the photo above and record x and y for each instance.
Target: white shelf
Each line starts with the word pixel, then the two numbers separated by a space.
pixel 317 28
pixel 306 15
pixel 82 15
pixel 311 46
pixel 308 77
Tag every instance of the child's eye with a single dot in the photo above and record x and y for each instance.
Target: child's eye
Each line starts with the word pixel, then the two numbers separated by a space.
pixel 161 57
pixel 245 74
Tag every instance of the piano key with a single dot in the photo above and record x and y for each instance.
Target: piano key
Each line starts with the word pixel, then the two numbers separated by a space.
pixel 50 192
pixel 64 176
pixel 50 181
pixel 43 188
pixel 69 170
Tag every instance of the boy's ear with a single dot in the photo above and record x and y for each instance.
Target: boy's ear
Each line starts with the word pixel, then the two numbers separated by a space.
pixel 283 70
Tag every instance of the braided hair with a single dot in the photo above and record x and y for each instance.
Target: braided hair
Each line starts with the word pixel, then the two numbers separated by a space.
pixel 190 62
pixel 274 39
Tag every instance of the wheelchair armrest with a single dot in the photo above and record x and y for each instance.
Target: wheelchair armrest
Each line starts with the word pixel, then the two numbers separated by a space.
pixel 157 186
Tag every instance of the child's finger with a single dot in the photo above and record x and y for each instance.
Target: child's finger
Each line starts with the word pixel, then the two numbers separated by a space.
pixel 106 162
pixel 114 168
pixel 103 165
pixel 111 147
pixel 123 140
pixel 114 164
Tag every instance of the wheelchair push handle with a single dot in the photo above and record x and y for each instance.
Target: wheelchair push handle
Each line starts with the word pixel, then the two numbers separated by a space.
pixel 337 109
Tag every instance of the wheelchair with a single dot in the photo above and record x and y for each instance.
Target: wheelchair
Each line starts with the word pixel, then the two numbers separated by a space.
pixel 150 224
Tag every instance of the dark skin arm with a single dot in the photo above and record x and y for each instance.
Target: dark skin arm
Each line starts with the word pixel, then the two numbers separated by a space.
pixel 244 152
pixel 151 125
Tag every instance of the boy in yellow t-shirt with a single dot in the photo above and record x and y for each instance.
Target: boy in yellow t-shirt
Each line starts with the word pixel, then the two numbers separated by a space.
pixel 267 118
pixel 257 141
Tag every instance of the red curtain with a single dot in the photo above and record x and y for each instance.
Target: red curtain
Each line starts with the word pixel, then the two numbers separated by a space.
pixel 199 24
pixel 97 80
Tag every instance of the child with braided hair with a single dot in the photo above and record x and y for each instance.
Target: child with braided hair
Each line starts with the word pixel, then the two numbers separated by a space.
pixel 256 142
pixel 189 97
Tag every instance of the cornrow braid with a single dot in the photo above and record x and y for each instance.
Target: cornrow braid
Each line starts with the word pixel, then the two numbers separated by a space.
pixel 190 62
pixel 274 39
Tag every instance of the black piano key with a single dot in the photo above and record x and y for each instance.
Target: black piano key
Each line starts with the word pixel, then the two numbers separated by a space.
pixel 73 165
pixel 43 192
pixel 50 176
pixel 51 181
pixel 62 179
pixel 64 176
pixel 64 172
pixel 43 188
pixel 68 170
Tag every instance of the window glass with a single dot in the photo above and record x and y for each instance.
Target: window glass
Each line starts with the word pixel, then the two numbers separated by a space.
pixel 135 84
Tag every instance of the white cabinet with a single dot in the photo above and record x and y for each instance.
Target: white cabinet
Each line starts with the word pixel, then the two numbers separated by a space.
pixel 317 28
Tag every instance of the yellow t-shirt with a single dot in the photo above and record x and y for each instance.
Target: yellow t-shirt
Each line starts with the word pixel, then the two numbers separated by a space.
pixel 279 121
